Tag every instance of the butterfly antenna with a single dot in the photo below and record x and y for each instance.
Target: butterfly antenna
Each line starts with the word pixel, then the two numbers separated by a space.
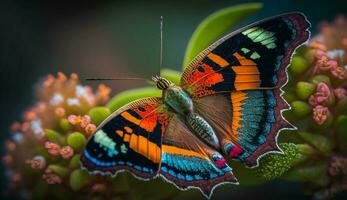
pixel 115 78
pixel 161 43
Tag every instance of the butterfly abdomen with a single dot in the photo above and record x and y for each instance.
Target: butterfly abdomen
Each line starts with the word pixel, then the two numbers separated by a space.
pixel 202 129
pixel 181 103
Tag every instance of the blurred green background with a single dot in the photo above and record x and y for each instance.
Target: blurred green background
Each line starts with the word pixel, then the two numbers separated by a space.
pixel 117 38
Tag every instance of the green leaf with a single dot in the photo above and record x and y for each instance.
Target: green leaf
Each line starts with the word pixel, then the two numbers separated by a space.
pixel 322 143
pixel 215 25
pixel 307 172
pixel 127 96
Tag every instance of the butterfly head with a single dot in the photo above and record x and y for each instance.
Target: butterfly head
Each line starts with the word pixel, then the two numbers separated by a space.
pixel 161 82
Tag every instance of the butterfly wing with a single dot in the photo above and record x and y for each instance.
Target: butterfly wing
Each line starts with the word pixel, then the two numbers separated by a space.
pixel 235 84
pixel 187 162
pixel 254 57
pixel 130 139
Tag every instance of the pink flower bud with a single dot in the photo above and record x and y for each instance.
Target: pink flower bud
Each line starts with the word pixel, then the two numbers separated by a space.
pixel 73 119
pixel 338 72
pixel 320 114
pixel 52 178
pixel 38 162
pixel 323 92
pixel 90 128
pixel 312 100
pixel 66 152
pixel 60 112
pixel 340 93
pixel 52 148
pixel 85 120
pixel 322 64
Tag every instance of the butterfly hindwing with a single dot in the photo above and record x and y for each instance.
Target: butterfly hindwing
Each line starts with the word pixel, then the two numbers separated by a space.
pixel 254 57
pixel 188 162
pixel 130 139
pixel 246 122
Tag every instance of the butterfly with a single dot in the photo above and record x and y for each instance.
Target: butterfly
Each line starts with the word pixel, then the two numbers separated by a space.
pixel 228 105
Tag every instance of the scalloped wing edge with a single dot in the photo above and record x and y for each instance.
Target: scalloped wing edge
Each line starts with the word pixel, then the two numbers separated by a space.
pixel 282 124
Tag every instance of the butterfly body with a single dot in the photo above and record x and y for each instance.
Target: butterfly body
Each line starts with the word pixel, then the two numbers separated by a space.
pixel 228 105
pixel 182 105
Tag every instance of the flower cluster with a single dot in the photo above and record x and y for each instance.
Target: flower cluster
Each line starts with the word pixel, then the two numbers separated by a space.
pixel 45 147
pixel 318 99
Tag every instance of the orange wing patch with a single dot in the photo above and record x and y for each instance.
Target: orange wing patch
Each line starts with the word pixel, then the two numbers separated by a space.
pixel 218 60
pixel 148 119
pixel 143 146
pixel 236 99
pixel 247 75
pixel 180 151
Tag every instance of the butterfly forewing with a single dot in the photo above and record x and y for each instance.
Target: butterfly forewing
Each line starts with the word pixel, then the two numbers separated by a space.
pixel 130 139
pixel 251 58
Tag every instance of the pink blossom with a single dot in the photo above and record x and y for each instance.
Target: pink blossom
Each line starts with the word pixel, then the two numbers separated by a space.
pixel 90 128
pixel 99 187
pixel 66 152
pixel 340 93
pixel 312 100
pixel 73 119
pixel 338 72
pixel 52 148
pixel 85 120
pixel 38 162
pixel 320 114
pixel 322 63
pixel 82 121
pixel 52 178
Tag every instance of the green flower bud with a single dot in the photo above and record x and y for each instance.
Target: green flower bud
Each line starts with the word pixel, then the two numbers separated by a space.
pixel 65 125
pixel 53 136
pixel 321 78
pixel 323 144
pixel 289 96
pixel 342 106
pixel 274 165
pixel 77 141
pixel 298 65
pixel 59 170
pixel 78 179
pixel 75 162
pixel 305 151
pixel 305 89
pixel 341 128
pixel 99 114
pixel 301 108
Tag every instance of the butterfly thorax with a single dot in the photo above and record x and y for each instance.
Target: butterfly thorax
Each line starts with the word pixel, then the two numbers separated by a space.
pixel 182 105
